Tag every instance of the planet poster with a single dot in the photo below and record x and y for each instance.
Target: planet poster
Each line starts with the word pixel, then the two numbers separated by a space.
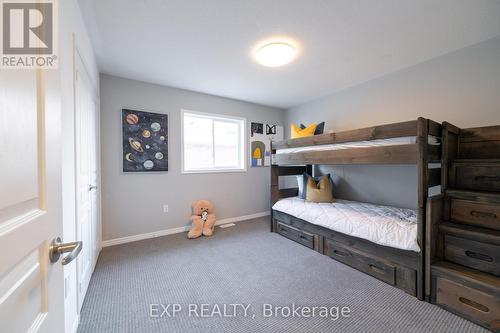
pixel 145 141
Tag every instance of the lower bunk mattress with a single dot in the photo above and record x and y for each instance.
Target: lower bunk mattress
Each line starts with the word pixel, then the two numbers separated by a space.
pixel 383 225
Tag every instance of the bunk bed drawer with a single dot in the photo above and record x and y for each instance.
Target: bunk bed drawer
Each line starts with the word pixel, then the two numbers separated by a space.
pixel 482 256
pixel 475 213
pixel 361 261
pixel 468 302
pixel 477 176
pixel 295 234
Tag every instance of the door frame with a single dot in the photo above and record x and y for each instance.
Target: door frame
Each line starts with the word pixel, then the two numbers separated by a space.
pixel 96 249
pixel 75 316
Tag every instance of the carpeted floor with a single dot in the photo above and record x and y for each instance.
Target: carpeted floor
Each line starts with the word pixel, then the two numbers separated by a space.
pixel 246 265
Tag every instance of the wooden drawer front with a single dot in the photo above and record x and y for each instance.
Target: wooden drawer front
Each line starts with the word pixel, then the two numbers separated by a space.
pixel 361 261
pixel 470 303
pixel 483 178
pixel 482 256
pixel 475 213
pixel 295 234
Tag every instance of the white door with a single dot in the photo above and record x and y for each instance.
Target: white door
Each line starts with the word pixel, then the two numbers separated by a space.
pixel 86 175
pixel 31 287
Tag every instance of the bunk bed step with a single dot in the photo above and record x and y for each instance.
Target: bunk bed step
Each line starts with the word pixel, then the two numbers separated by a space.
pixel 476 160
pixel 481 256
pixel 459 273
pixel 474 212
pixel 481 142
pixel 468 293
pixel 470 247
pixel 481 175
pixel 470 232
pixel 473 195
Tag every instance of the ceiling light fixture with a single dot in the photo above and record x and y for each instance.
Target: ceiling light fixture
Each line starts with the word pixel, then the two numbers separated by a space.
pixel 275 54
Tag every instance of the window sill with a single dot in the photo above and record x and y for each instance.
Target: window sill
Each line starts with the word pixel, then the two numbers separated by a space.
pixel 194 172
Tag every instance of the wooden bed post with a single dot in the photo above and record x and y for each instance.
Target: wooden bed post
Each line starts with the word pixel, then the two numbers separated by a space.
pixel 423 192
pixel 437 207
pixel 433 218
pixel 276 192
pixel 310 169
pixel 448 154
pixel 274 186
pixel 449 151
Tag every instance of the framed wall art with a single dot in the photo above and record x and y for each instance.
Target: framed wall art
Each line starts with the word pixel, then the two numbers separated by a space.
pixel 145 141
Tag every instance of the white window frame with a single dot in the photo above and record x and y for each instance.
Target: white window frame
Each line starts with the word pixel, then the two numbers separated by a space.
pixel 222 117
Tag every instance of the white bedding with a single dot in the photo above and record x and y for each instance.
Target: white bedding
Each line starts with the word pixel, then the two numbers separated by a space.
pixel 384 225
pixel 404 140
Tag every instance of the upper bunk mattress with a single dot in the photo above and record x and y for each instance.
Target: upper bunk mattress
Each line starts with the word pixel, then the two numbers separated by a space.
pixel 383 225
pixel 403 140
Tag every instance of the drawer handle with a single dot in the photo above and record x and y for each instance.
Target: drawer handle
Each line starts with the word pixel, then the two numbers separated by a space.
pixel 488 178
pixel 473 304
pixel 283 229
pixel 303 237
pixel 486 215
pixel 376 269
pixel 340 253
pixel 478 256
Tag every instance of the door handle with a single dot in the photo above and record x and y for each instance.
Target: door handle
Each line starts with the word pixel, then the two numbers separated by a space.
pixel 92 187
pixel 57 247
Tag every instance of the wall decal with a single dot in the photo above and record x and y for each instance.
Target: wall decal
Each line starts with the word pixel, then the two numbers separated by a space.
pixel 260 142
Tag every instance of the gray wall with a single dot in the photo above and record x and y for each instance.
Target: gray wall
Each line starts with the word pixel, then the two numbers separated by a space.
pixel 393 185
pixel 462 87
pixel 133 203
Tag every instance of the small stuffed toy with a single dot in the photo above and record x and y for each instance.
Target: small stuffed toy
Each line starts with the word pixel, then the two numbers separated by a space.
pixel 203 219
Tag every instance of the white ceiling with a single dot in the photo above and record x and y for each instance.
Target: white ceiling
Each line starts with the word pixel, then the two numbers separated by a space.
pixel 206 45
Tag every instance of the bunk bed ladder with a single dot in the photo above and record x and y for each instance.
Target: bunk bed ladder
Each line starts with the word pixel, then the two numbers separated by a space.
pixel 463 227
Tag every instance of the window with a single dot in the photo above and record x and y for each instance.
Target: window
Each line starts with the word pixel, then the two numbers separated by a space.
pixel 212 143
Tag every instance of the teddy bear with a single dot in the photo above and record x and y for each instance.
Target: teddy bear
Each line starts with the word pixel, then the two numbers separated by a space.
pixel 203 219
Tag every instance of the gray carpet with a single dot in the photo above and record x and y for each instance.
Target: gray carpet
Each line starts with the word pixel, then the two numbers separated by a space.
pixel 245 264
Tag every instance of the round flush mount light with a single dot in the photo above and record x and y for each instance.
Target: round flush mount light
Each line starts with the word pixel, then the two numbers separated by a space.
pixel 275 54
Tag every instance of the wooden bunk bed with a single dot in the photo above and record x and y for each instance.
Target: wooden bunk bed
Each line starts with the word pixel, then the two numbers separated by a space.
pixel 401 268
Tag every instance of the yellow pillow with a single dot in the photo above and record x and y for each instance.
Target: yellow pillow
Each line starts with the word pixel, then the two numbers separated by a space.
pixel 320 191
pixel 297 132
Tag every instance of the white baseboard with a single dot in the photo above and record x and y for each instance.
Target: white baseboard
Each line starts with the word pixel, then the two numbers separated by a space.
pixel 172 231
pixel 242 218
pixel 139 237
